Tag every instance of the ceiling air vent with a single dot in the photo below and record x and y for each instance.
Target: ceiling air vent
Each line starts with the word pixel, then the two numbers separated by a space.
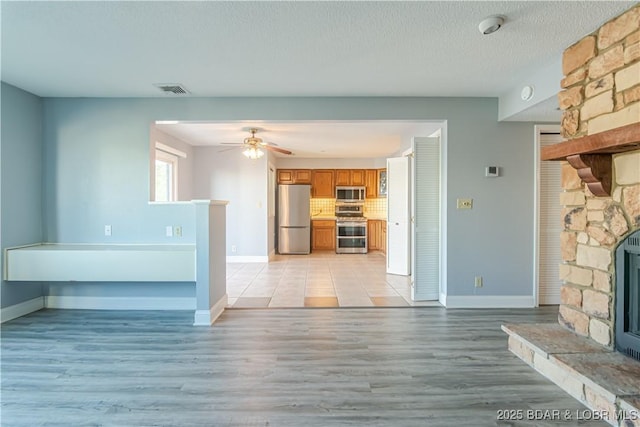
pixel 172 88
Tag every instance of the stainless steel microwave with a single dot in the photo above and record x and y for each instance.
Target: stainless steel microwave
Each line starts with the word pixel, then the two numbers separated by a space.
pixel 350 194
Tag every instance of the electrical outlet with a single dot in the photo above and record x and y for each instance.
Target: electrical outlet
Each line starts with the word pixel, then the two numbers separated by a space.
pixel 234 249
pixel 107 230
pixel 478 281
pixel 168 231
pixel 177 231
pixel 465 203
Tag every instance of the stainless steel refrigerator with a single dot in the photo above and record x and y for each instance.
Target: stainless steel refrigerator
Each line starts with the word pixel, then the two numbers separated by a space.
pixel 294 219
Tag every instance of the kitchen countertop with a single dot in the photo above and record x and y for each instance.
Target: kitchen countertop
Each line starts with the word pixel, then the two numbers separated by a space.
pixel 324 217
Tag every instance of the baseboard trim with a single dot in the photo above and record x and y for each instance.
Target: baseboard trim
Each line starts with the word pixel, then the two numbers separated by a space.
pixel 489 301
pixel 233 259
pixel 443 299
pixel 120 303
pixel 21 309
pixel 207 317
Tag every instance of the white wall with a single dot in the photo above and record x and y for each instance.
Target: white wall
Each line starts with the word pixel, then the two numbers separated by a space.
pixel 228 175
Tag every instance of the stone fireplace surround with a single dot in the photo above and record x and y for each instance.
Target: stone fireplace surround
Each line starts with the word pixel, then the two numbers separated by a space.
pixel 601 93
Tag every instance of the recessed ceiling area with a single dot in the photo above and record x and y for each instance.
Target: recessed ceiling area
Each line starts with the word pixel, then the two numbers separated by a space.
pixel 309 139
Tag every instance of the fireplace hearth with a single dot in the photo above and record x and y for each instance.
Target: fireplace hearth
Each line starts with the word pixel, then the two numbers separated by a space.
pixel 627 312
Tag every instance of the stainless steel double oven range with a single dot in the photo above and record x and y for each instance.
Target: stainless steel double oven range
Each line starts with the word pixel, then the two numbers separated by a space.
pixel 351 225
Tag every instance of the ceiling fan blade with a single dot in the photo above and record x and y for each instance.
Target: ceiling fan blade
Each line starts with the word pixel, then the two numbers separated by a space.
pixel 279 150
pixel 232 143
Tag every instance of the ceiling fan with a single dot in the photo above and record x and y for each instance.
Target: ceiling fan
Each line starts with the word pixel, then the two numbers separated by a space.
pixel 253 145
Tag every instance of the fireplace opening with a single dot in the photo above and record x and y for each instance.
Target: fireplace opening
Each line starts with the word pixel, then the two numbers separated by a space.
pixel 627 318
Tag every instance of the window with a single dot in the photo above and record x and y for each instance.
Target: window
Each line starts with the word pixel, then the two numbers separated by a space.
pixel 166 176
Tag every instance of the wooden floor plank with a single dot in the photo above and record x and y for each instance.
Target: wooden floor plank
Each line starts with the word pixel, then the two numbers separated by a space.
pixel 275 367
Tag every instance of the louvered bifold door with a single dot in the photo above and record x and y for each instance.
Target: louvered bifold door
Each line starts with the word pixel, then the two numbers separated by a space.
pixel 426 216
pixel 550 226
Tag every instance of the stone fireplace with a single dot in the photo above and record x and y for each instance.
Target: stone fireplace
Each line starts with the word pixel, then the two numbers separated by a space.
pixel 601 93
pixel 593 228
pixel 600 99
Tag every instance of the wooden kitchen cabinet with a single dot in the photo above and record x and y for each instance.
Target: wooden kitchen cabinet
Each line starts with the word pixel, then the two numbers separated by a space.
pixel 377 235
pixel 350 177
pixel 373 231
pixel 302 176
pixel 371 183
pixel 343 176
pixel 357 177
pixel 323 235
pixel 322 183
pixel 294 176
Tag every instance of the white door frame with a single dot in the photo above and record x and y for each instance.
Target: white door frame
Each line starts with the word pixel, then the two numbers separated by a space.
pixel 538 129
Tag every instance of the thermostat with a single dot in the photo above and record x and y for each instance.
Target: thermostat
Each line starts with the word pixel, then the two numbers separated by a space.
pixel 492 171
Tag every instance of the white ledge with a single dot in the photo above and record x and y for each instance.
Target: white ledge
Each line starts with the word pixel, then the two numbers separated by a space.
pixel 101 263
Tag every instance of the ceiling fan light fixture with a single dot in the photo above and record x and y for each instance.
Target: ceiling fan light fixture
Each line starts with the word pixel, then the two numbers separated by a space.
pixel 253 153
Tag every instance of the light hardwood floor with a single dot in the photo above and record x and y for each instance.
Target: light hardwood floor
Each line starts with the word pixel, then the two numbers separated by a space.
pixel 422 366
pixel 322 279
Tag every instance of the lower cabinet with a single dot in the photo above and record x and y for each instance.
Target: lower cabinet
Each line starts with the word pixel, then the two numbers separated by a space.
pixel 323 235
pixel 377 235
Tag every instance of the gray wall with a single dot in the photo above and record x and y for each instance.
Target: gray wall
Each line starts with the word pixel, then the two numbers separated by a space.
pixel 20 182
pixel 97 157
pixel 494 239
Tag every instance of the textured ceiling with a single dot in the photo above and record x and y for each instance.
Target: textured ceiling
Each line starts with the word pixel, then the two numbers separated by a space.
pixel 300 48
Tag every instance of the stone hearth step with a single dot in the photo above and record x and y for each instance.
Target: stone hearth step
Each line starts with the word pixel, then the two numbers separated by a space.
pixel 605 381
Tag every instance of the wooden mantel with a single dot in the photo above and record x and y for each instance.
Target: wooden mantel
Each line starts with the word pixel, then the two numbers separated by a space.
pixel 591 155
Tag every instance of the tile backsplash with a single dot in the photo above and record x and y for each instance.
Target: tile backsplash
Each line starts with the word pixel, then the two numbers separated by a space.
pixel 372 207
pixel 376 207
pixel 323 207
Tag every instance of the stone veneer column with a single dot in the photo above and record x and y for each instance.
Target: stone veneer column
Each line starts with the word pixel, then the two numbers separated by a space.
pixel 601 92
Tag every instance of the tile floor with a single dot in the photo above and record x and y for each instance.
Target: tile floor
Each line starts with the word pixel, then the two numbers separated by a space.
pixel 322 279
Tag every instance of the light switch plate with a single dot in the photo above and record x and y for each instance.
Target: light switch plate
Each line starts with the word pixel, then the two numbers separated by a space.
pixel 465 203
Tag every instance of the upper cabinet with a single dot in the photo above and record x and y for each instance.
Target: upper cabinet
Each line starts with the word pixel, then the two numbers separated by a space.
pixel 294 176
pixel 357 177
pixel 371 183
pixel 322 183
pixel 350 177
pixel 343 176
pixel 382 183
